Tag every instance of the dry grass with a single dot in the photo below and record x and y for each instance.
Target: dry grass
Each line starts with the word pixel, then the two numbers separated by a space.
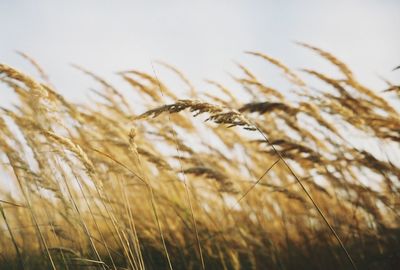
pixel 281 182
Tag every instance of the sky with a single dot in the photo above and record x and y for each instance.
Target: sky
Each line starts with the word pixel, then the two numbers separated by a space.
pixel 202 38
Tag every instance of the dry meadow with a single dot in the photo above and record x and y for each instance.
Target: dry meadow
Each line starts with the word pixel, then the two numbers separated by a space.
pixel 305 177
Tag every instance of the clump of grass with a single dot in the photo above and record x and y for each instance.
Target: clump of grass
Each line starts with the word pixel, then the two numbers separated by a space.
pixel 107 186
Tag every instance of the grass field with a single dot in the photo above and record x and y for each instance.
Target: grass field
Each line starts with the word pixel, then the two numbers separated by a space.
pixel 305 177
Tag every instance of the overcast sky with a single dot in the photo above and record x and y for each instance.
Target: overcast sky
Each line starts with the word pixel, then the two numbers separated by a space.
pixel 199 37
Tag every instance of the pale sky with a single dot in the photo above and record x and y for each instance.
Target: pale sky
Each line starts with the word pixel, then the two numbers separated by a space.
pixel 199 37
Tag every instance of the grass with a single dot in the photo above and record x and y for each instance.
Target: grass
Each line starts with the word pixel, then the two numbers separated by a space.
pixel 251 178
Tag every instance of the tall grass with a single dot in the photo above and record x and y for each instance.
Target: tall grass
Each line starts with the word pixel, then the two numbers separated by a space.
pixel 251 178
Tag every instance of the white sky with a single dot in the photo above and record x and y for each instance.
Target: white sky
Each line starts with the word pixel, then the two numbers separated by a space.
pixel 199 37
